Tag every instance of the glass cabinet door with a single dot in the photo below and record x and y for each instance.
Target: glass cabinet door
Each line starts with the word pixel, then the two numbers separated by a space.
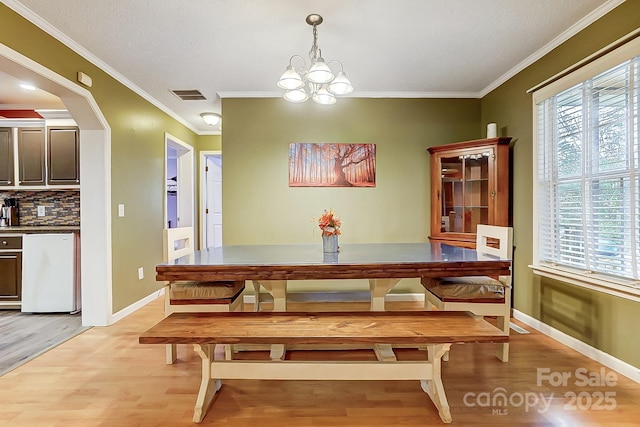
pixel 464 191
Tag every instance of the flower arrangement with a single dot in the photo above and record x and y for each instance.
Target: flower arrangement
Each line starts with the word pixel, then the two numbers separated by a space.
pixel 329 223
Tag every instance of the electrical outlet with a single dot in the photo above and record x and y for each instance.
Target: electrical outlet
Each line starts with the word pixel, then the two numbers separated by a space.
pixel 41 211
pixel 121 210
pixel 140 273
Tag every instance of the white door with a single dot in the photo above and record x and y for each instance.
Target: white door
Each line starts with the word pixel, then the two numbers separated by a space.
pixel 213 208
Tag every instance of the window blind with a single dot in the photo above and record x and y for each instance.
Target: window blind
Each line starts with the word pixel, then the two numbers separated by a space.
pixel 587 174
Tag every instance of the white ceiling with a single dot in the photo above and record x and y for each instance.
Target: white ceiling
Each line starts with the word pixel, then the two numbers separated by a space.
pixel 389 48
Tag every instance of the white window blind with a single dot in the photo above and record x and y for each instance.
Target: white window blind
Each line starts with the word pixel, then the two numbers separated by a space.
pixel 587 174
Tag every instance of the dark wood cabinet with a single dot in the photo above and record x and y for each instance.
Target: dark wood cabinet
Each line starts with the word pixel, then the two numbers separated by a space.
pixel 6 157
pixel 31 156
pixel 45 158
pixel 63 155
pixel 470 184
pixel 10 269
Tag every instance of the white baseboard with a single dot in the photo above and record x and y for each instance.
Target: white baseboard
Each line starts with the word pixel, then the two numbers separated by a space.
pixel 600 356
pixel 136 306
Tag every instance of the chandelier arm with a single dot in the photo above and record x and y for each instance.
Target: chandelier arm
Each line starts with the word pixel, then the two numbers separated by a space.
pixel 304 63
pixel 335 60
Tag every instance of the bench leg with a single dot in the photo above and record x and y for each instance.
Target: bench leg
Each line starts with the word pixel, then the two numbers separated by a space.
pixel 172 353
pixel 208 386
pixel 502 350
pixel 434 387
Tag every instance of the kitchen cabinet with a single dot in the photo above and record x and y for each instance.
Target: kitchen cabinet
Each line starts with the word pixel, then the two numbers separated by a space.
pixel 6 157
pixel 470 185
pixel 10 269
pixel 31 156
pixel 63 156
pixel 45 158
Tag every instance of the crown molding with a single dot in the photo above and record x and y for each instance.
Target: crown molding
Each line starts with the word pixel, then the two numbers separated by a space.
pixel 563 37
pixel 359 94
pixel 35 19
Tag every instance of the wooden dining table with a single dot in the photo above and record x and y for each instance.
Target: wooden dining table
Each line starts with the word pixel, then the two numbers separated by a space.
pixel 382 264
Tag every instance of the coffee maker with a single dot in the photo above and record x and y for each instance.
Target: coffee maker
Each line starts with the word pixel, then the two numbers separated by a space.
pixel 9 213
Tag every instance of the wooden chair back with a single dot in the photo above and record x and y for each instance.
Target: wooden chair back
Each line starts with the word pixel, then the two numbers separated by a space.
pixel 178 242
pixel 494 240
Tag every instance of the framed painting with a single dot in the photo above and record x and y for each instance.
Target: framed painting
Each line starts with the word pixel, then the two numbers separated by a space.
pixel 332 165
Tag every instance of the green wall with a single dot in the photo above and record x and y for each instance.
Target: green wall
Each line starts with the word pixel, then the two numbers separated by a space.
pixel 598 319
pixel 259 206
pixel 137 156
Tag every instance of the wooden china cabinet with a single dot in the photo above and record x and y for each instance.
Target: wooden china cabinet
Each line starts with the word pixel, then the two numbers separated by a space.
pixel 469 186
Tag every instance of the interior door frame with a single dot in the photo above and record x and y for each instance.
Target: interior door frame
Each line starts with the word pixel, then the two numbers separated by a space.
pixel 186 181
pixel 203 195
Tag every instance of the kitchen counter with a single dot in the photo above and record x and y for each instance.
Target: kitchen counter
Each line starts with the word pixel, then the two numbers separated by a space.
pixel 33 229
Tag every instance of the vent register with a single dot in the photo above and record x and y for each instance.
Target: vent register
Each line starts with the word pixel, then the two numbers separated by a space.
pixel 188 94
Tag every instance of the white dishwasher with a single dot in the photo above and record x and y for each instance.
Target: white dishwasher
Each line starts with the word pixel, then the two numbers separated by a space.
pixel 49 273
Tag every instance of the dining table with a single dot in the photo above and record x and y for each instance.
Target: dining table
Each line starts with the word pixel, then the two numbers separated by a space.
pixel 272 266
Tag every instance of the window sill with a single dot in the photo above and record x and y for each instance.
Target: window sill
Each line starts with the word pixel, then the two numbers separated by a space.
pixel 597 282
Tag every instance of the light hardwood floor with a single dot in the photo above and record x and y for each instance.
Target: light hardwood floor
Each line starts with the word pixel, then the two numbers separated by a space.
pixel 103 377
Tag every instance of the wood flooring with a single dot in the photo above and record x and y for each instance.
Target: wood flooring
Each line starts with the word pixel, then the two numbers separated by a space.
pixel 103 377
pixel 24 336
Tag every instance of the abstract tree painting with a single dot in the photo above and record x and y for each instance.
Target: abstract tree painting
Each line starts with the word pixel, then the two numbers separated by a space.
pixel 332 165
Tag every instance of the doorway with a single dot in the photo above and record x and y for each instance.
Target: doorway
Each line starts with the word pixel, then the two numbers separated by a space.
pixel 211 199
pixel 179 178
pixel 95 182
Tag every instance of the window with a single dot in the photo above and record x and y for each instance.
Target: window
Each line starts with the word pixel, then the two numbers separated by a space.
pixel 587 174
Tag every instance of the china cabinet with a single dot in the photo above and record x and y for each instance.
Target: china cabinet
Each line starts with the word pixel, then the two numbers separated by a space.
pixel 470 184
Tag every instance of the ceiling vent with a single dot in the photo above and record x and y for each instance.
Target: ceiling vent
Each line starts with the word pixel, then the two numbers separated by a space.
pixel 188 94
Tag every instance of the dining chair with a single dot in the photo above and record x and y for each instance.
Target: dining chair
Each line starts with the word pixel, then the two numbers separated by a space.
pixel 189 296
pixel 481 295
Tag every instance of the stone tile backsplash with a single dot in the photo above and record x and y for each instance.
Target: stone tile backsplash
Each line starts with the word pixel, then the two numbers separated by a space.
pixel 61 207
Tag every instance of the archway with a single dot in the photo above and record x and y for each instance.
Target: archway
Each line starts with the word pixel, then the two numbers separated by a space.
pixel 95 182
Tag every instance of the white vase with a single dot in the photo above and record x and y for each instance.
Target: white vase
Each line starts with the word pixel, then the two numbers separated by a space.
pixel 330 243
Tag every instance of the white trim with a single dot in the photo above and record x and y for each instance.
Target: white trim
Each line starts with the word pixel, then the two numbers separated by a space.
pixel 615 57
pixel 593 281
pixel 567 34
pixel 186 180
pixel 358 94
pixel 563 37
pixel 95 182
pixel 73 45
pixel 593 353
pixel 137 305
pixel 602 52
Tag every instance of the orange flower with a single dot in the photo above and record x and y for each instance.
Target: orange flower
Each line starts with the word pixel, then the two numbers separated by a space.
pixel 329 223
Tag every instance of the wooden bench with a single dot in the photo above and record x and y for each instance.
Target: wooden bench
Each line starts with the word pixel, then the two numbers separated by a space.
pixel 435 330
pixel 195 295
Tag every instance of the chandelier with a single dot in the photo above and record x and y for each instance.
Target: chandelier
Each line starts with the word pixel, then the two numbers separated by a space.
pixel 317 82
